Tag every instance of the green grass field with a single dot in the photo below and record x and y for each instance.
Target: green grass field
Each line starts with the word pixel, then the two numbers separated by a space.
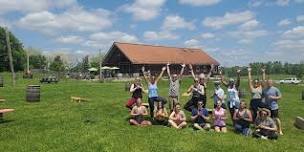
pixel 56 124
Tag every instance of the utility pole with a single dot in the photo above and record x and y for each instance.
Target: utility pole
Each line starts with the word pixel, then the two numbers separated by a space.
pixel 100 64
pixel 27 62
pixel 10 57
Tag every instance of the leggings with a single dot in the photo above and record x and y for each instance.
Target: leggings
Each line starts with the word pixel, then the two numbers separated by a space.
pixel 151 101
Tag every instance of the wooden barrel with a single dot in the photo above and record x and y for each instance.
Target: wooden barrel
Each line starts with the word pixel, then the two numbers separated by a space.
pixel 33 93
pixel 1 81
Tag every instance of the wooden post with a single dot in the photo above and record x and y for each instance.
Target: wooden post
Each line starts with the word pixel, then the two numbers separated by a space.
pixel 27 62
pixel 100 65
pixel 10 56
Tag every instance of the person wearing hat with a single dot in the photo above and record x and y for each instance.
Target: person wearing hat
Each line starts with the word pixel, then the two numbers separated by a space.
pixel 174 85
pixel 219 94
pixel 203 79
pixel 264 125
pixel 233 99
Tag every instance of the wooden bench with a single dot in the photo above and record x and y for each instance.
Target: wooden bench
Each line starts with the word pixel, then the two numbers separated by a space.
pixel 78 99
pixel 299 123
pixel 3 111
pixel 2 100
pixel 49 79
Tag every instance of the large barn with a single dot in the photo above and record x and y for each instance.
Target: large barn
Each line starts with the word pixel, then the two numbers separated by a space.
pixel 131 57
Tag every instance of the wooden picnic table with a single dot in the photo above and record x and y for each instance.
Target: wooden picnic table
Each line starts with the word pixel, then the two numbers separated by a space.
pixel 3 111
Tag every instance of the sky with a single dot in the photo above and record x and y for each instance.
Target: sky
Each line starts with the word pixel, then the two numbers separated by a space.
pixel 235 32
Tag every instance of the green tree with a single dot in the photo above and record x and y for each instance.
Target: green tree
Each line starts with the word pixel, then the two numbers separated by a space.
pixel 18 53
pixel 85 64
pixel 57 65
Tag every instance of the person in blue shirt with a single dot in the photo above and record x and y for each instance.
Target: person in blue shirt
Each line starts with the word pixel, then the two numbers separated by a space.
pixel 153 96
pixel 200 117
pixel 272 95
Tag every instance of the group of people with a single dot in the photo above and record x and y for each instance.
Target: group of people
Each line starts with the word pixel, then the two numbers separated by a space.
pixel 263 111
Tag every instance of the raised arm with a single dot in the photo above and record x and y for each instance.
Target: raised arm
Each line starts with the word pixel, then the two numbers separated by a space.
pixel 168 71
pixel 210 72
pixel 225 83
pixel 250 80
pixel 132 88
pixel 263 77
pixel 160 75
pixel 191 70
pixel 180 76
pixel 144 74
pixel 238 79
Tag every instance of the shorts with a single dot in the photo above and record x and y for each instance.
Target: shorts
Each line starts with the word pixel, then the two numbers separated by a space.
pixel 275 113
pixel 131 102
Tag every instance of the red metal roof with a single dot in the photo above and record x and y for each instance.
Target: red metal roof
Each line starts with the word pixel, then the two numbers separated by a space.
pixel 150 54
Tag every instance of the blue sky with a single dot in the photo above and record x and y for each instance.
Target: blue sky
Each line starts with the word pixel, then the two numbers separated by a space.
pixel 234 32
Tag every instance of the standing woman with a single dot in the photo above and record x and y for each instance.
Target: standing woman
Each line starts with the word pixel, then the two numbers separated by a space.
pixel 174 86
pixel 152 89
pixel 256 91
pixel 233 99
pixel 197 91
pixel 136 90
pixel 203 79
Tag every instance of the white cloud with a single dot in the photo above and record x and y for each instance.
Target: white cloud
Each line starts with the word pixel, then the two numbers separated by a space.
pixel 105 39
pixel 207 35
pixel 249 35
pixel 71 39
pixel 294 33
pixel 282 2
pixel 162 35
pixel 284 22
pixel 199 2
pixel 144 10
pixel 76 19
pixel 300 18
pixel 228 19
pixel 192 43
pixel 33 5
pixel 249 25
pixel 173 22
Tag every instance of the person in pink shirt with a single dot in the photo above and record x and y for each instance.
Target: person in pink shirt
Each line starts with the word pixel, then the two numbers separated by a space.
pixel 219 117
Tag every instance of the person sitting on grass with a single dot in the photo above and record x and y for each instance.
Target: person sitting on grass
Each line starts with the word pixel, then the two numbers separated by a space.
pixel 161 115
pixel 174 85
pixel 242 118
pixel 177 118
pixel 200 117
pixel 265 126
pixel 197 90
pixel 219 117
pixel 153 96
pixel 137 90
pixel 138 112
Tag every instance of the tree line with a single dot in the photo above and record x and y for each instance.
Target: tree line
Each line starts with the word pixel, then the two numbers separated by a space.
pixel 37 60
pixel 272 67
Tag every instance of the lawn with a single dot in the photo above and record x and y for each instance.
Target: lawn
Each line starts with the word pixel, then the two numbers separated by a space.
pixel 57 124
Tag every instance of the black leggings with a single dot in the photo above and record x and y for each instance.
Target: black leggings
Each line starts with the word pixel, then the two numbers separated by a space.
pixel 268 134
pixel 151 103
pixel 192 103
